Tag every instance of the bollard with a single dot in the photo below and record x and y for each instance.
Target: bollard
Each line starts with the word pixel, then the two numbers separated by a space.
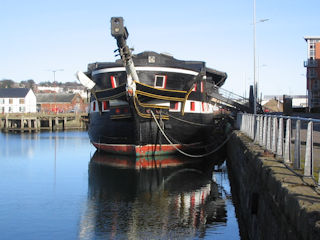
pixel 274 135
pixel 308 164
pixel 287 147
pixel 268 145
pixel 280 138
pixel 297 146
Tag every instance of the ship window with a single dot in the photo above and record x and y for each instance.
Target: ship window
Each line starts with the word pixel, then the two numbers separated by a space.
pixel 201 86
pixel 114 82
pixel 194 87
pixel 94 106
pixel 174 105
pixel 192 106
pixel 160 81
pixel 205 107
pixel 105 105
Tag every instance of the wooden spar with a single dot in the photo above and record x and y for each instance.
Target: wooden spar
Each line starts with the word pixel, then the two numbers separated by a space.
pixel 120 33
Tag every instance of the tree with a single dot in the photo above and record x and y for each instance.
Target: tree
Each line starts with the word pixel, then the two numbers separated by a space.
pixel 30 83
pixel 7 83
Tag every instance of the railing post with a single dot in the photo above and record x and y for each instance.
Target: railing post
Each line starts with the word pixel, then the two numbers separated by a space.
pixel 268 146
pixel 239 118
pixel 264 141
pixel 274 135
pixel 297 146
pixel 257 129
pixel 250 126
pixel 280 138
pixel 308 164
pixel 261 131
pixel 253 126
pixel 243 119
pixel 287 147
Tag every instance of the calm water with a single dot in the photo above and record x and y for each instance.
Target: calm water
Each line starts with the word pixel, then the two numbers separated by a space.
pixel 55 186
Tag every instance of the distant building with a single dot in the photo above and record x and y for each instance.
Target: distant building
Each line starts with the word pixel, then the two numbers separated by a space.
pixel 60 102
pixel 313 73
pixel 17 100
pixel 273 105
pixel 48 89
pixel 298 101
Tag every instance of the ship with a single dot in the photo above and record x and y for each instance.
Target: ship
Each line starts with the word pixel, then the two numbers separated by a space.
pixel 151 103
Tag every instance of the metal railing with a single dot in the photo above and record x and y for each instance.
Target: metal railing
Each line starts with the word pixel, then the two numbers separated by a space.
pixel 278 133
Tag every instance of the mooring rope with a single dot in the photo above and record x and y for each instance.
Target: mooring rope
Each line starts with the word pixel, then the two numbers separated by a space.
pixel 182 152
pixel 189 122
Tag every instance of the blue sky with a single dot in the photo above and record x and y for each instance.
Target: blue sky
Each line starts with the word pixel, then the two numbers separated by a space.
pixel 40 36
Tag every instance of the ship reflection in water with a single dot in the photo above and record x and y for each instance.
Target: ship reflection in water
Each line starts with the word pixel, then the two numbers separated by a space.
pixel 140 199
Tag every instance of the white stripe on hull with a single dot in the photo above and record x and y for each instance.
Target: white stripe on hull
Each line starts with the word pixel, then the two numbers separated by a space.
pixel 151 69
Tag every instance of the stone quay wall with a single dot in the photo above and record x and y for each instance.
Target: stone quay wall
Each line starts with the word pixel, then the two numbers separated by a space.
pixel 272 201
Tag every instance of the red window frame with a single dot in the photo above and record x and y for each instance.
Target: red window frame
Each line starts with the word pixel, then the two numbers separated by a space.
pixel 113 81
pixel 194 87
pixel 192 106
pixel 105 105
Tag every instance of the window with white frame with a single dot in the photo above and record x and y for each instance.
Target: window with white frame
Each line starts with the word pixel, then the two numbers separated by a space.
pixel 160 81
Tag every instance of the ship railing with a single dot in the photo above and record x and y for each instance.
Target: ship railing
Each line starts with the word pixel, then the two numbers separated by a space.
pixel 295 140
pixel 230 100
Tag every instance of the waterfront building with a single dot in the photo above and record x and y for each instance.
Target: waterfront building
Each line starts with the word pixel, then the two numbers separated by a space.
pixel 60 102
pixel 17 100
pixel 313 73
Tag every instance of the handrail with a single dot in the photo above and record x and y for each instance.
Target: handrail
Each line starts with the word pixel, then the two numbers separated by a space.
pixel 275 134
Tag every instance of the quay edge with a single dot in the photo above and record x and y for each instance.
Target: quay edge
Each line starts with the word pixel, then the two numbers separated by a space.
pixel 273 202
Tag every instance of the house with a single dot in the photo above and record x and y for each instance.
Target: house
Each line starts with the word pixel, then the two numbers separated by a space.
pixel 273 105
pixel 60 102
pixel 17 100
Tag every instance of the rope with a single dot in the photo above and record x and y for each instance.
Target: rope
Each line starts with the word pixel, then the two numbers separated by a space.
pixel 192 123
pixel 182 152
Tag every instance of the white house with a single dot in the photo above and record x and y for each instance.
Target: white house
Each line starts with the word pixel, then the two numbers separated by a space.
pixel 17 100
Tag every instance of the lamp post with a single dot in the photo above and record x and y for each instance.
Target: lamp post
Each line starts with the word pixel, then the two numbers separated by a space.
pixel 54 82
pixel 254 57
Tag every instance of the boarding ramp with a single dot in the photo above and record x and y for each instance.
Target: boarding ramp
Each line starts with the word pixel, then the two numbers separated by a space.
pixel 229 100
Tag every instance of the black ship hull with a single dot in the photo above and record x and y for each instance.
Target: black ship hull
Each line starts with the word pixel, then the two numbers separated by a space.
pixel 169 111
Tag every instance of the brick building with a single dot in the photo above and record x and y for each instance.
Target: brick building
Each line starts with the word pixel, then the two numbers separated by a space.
pixel 313 73
pixel 60 102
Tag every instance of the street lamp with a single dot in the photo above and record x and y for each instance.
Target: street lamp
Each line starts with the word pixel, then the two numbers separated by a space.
pixel 54 83
pixel 254 57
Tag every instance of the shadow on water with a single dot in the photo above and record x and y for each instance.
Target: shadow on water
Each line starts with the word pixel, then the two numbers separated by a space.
pixel 142 199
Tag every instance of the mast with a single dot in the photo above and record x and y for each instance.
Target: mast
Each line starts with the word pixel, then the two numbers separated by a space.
pixel 120 33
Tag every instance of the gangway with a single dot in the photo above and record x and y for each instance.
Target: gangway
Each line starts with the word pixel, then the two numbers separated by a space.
pixel 231 101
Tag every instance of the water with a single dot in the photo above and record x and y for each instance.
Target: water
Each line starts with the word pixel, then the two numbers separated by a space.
pixel 56 186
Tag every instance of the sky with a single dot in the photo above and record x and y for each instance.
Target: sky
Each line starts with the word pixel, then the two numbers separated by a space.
pixel 38 37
